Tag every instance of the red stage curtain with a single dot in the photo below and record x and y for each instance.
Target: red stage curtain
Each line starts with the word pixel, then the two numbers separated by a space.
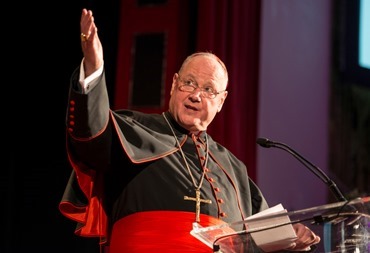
pixel 231 30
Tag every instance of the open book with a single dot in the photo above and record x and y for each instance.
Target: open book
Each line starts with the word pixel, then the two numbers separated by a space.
pixel 272 239
pixel 270 234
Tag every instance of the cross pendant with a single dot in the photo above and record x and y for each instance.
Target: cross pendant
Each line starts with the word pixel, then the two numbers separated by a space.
pixel 197 200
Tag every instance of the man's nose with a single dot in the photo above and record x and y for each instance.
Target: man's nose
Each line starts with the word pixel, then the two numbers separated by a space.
pixel 196 94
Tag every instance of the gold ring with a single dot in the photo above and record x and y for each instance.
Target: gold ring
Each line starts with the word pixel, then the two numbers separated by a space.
pixel 83 37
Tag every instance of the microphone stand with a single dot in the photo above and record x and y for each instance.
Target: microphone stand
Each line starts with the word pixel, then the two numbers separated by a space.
pixel 266 143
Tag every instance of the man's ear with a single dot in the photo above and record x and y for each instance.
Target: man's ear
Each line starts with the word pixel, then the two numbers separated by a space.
pixel 222 100
pixel 174 79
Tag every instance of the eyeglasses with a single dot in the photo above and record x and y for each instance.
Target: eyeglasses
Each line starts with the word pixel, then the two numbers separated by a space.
pixel 190 86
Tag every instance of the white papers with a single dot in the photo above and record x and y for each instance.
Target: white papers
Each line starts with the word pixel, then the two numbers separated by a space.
pixel 277 236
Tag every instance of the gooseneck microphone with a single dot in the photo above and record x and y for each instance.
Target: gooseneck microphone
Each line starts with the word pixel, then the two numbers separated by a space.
pixel 266 143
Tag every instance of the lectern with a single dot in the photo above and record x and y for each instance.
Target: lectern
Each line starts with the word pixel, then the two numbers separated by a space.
pixel 342 226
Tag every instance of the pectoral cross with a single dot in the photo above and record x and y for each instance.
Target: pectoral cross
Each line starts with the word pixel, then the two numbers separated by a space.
pixel 197 200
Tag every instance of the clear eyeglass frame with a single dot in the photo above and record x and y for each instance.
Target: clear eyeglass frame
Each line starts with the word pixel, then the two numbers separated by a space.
pixel 190 86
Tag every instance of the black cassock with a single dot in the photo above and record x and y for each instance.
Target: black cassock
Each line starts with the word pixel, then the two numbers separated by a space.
pixel 129 178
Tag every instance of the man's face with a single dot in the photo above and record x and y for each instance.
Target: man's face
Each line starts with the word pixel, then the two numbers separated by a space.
pixel 194 110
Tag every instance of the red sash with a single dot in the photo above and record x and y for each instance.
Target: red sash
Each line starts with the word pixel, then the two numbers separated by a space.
pixel 159 232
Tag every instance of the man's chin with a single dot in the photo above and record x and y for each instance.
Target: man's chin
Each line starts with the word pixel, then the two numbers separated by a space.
pixel 195 126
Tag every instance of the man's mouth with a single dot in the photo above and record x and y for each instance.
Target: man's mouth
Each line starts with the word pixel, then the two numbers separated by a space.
pixel 191 107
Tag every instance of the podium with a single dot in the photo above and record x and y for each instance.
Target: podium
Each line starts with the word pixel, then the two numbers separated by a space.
pixel 342 227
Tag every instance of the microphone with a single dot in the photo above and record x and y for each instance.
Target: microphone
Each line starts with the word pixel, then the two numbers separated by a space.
pixel 266 143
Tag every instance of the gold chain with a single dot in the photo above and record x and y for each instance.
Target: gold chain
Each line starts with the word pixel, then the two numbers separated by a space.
pixel 197 187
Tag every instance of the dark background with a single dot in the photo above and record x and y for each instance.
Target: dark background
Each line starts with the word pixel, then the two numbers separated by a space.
pixel 42 49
